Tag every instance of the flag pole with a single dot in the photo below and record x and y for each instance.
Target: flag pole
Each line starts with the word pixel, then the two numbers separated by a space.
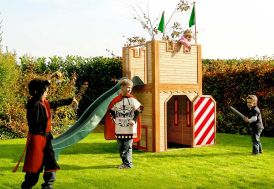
pixel 195 23
pixel 164 32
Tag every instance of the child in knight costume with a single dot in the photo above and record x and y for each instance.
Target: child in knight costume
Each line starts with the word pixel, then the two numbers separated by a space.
pixel 123 122
pixel 39 151
pixel 255 121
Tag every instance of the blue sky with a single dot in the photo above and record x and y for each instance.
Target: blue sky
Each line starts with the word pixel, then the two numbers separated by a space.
pixel 226 29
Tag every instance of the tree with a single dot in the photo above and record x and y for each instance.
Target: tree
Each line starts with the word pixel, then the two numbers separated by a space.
pixel 9 101
pixel 151 25
pixel 9 75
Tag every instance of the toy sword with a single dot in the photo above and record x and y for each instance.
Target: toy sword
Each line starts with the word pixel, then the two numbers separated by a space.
pixel 237 112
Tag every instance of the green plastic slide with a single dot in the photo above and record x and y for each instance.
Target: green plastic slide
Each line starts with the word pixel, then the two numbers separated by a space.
pixel 89 119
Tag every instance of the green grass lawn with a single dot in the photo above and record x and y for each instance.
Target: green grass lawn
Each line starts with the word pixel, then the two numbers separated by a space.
pixel 93 162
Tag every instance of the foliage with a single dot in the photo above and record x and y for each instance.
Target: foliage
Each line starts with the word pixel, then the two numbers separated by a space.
pixel 93 163
pixel 136 40
pixel 84 78
pixel 1 33
pixel 150 25
pixel 100 74
pixel 9 95
pixel 60 88
pixel 230 81
pixel 7 133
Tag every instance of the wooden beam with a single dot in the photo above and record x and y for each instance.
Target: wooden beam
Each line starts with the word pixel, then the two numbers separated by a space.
pixel 200 69
pixel 179 87
pixel 155 95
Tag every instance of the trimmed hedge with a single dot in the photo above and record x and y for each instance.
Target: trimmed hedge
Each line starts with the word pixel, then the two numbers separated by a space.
pixel 84 78
pixel 230 81
pixel 94 76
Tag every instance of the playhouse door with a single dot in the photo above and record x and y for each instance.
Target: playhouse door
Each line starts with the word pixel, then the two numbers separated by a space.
pixel 178 120
pixel 204 108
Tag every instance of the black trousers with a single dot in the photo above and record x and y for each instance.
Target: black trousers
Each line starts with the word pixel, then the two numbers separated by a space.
pixel 32 178
pixel 255 137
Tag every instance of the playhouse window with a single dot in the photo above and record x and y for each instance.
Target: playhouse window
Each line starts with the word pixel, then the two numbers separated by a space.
pixel 175 111
pixel 188 113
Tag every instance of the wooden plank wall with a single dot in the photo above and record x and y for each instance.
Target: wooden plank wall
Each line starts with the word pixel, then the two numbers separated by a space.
pixel 137 58
pixel 163 131
pixel 125 63
pixel 149 63
pixel 146 99
pixel 177 67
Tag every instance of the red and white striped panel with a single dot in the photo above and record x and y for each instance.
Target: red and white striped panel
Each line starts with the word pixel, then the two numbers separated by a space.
pixel 204 120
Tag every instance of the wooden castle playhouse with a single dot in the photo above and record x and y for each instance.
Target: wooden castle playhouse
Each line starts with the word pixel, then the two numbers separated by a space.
pixel 175 110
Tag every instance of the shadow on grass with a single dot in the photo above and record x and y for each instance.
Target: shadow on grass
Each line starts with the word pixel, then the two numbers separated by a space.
pixel 94 148
pixel 63 167
pixel 191 155
pixel 91 148
pixel 229 141
pixel 14 151
pixel 11 151
pixel 75 167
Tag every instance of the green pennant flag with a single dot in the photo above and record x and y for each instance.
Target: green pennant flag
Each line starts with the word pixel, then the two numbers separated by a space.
pixel 192 18
pixel 161 26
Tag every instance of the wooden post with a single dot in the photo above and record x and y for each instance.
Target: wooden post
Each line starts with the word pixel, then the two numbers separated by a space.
pixel 195 23
pixel 155 95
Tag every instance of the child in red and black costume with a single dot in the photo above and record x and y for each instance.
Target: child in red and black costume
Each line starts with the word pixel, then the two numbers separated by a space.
pixel 40 152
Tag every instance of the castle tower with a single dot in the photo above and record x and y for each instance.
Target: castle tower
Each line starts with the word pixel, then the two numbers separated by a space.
pixel 173 82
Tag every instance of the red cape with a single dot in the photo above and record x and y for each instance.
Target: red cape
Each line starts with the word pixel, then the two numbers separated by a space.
pixel 110 125
pixel 35 153
pixel 35 146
